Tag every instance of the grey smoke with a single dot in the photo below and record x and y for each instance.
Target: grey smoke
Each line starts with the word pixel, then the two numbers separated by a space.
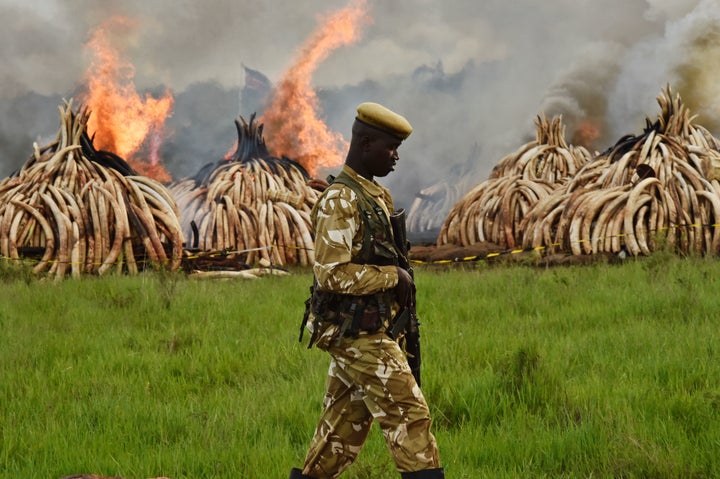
pixel 470 76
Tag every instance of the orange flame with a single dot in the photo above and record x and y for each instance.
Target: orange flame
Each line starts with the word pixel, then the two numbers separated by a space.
pixel 292 114
pixel 122 121
pixel 586 133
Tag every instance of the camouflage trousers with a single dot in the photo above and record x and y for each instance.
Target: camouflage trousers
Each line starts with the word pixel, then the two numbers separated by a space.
pixel 369 379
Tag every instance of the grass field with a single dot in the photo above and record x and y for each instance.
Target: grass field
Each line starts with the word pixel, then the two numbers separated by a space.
pixel 603 371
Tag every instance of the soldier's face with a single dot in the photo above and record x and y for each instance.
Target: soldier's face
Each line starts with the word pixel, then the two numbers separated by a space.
pixel 383 155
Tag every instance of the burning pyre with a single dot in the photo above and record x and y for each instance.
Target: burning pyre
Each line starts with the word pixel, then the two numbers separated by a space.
pixel 658 188
pixel 251 205
pixel 79 210
pixel 492 210
pixel 432 204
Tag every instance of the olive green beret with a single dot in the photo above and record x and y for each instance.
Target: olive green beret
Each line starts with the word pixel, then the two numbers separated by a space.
pixel 383 119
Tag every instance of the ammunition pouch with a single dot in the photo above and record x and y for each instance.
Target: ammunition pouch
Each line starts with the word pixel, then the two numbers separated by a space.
pixel 353 314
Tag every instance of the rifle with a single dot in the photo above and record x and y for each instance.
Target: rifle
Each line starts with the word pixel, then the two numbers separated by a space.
pixel 406 318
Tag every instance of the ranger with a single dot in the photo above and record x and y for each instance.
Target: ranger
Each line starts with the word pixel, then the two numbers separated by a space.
pixel 358 289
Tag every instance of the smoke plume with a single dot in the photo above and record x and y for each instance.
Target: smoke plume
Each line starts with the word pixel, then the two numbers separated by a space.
pixel 470 76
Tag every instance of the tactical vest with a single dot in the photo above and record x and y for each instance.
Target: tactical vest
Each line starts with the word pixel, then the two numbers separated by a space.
pixel 378 247
pixel 364 312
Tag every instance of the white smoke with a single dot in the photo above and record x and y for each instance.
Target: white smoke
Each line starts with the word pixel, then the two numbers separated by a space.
pixel 470 76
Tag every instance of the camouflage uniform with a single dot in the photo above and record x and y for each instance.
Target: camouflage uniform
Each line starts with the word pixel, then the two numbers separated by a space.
pixel 369 377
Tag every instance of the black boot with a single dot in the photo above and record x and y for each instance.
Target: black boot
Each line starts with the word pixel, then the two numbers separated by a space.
pixel 438 473
pixel 296 473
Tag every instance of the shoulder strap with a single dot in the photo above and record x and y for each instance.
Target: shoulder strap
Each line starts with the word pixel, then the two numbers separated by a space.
pixel 369 210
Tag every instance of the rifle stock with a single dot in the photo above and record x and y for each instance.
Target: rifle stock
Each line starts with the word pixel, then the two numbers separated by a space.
pixel 406 319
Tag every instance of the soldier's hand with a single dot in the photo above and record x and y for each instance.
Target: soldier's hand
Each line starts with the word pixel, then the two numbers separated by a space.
pixel 404 287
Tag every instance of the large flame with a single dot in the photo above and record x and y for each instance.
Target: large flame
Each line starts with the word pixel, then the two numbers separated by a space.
pixel 121 121
pixel 292 118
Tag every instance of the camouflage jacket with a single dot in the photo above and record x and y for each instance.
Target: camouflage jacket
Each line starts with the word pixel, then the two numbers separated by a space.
pixel 339 232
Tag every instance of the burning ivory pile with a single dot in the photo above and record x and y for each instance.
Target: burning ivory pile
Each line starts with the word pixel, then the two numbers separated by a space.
pixel 251 204
pixel 660 186
pixel 432 204
pixel 492 210
pixel 82 210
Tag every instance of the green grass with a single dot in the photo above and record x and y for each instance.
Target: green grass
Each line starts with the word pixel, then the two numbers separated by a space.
pixel 598 371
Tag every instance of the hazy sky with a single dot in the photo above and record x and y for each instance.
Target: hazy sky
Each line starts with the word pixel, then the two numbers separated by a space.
pixel 471 76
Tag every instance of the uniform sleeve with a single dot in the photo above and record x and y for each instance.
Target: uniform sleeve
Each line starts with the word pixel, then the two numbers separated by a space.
pixel 338 235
